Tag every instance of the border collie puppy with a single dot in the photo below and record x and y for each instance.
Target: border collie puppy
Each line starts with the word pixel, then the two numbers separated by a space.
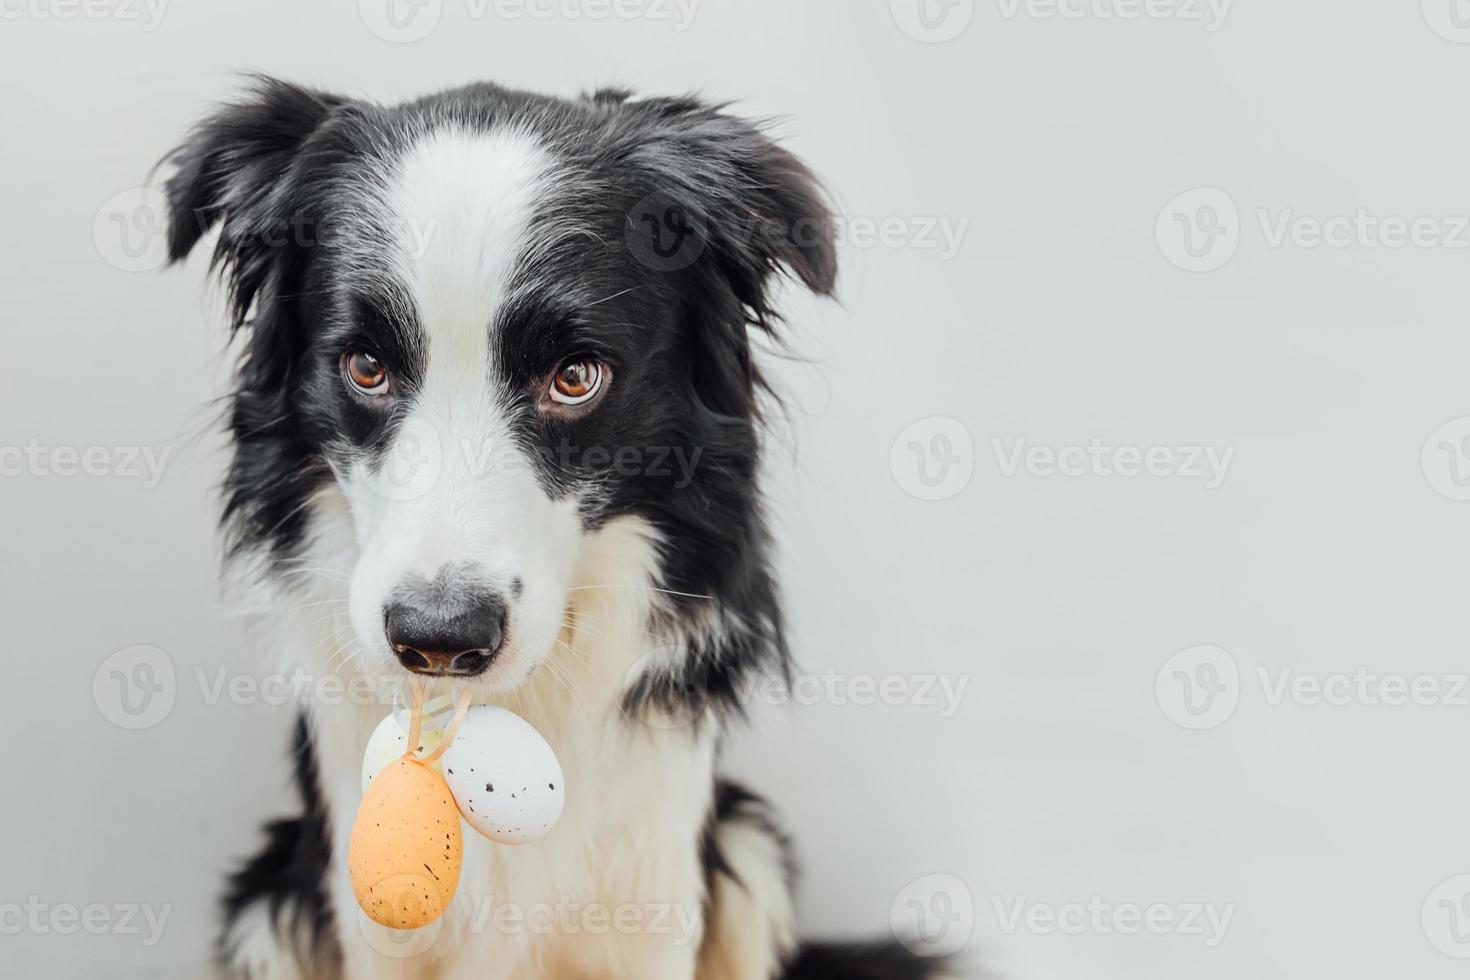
pixel 495 423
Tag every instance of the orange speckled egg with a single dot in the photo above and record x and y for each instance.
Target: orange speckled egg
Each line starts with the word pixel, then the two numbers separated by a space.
pixel 405 851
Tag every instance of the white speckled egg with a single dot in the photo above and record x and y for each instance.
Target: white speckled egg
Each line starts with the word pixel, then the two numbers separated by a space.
pixel 504 776
pixel 389 741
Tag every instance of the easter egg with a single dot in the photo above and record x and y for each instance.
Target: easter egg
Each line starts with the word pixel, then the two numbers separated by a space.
pixel 405 851
pixel 389 741
pixel 504 776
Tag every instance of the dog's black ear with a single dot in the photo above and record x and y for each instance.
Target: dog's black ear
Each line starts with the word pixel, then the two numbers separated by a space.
pixel 756 206
pixel 233 168
pixel 796 220
pixel 724 210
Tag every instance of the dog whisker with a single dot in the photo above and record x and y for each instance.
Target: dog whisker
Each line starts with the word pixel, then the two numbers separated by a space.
pixel 647 588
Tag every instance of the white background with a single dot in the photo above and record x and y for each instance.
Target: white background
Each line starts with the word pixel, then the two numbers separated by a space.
pixel 1058 143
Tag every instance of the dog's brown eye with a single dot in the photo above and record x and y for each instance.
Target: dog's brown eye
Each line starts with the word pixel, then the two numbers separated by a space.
pixel 576 382
pixel 365 372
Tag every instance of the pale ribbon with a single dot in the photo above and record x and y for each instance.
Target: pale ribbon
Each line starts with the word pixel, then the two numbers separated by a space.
pixel 416 727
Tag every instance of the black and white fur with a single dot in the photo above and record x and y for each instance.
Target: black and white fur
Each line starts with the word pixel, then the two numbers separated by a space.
pixel 473 241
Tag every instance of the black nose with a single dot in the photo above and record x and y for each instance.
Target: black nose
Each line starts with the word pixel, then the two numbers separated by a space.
pixel 439 631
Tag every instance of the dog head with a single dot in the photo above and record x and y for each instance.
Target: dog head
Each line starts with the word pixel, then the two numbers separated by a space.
pixel 485 326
